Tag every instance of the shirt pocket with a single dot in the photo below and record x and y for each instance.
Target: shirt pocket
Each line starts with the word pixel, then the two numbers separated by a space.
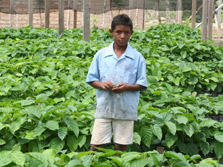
pixel 132 77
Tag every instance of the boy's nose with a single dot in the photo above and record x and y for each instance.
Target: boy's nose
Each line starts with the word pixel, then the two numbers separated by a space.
pixel 122 35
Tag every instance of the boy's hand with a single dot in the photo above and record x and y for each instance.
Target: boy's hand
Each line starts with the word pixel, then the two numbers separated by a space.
pixel 108 85
pixel 120 88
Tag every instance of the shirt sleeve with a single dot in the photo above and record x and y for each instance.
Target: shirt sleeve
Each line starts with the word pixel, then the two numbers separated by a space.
pixel 141 73
pixel 93 72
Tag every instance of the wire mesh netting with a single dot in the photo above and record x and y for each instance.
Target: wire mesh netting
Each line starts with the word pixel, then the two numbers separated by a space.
pixel 97 6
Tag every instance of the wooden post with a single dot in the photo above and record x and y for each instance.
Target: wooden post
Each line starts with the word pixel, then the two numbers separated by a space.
pixel 137 13
pixel 61 17
pixel 194 6
pixel 210 17
pixel 204 20
pixel 86 20
pixel 75 13
pixel 131 6
pixel 179 12
pixel 12 13
pixel 167 11
pixel 47 13
pixel 30 6
pixel 219 13
pixel 218 22
pixel 143 16
pixel 104 14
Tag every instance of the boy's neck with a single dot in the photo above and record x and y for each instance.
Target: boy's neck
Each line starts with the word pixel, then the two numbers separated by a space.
pixel 119 50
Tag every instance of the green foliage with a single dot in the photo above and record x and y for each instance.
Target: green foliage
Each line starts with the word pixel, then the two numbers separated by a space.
pixel 46 108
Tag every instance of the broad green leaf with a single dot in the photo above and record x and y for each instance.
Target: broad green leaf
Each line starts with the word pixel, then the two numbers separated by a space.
pixel 72 142
pixel 18 157
pixel 182 119
pixel 5 158
pixel 1 126
pixel 87 160
pixel 139 162
pixel 72 124
pixel 192 148
pixel 50 154
pixel 188 129
pixel 171 126
pixel 214 79
pixel 182 147
pixel 74 162
pixel 129 157
pixel 193 79
pixel 205 147
pixel 82 141
pixel 16 124
pixel 170 139
pixel 38 159
pixel 62 132
pixel 207 123
pixel 34 110
pixel 38 130
pixel 57 144
pixel 146 134
pixel 186 69
pixel 174 155
pixel 218 149
pixel 154 159
pixel 176 81
pixel 136 138
pixel 117 160
pixel 157 131
pixel 213 85
pixel 218 136
pixel 52 125
pixel 195 157
pixel 2 142
pixel 26 102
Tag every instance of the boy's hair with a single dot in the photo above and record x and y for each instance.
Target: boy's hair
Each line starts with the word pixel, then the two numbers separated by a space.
pixel 121 19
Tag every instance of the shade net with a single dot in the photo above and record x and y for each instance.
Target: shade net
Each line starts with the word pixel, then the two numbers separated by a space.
pixel 96 6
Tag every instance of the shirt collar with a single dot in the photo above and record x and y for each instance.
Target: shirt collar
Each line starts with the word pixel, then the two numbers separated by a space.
pixel 128 52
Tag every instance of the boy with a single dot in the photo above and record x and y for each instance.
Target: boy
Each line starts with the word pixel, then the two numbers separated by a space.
pixel 118 73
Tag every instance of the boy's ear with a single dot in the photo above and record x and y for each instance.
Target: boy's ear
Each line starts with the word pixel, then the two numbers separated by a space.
pixel 110 30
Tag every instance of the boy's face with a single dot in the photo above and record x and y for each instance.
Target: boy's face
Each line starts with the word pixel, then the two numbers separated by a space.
pixel 121 35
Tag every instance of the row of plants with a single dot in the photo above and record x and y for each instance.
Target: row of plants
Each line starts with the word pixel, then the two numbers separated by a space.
pixel 107 157
pixel 46 108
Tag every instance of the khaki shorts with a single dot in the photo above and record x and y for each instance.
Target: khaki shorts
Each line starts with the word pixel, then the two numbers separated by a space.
pixel 103 128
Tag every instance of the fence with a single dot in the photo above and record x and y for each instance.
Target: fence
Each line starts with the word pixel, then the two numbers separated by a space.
pixel 99 13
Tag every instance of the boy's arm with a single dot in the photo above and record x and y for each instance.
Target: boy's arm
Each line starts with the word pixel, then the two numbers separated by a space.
pixel 108 85
pixel 127 87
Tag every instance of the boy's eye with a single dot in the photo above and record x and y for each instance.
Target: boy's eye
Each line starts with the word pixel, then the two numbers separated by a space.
pixel 119 32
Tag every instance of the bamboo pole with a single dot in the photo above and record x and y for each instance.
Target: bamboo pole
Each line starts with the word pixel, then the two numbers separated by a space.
pixel 104 14
pixel 131 6
pixel 86 20
pixel 210 17
pixel 61 17
pixel 47 13
pixel 167 11
pixel 12 13
pixel 204 20
pixel 68 15
pixel 194 6
pixel 179 12
pixel 30 8
pixel 75 14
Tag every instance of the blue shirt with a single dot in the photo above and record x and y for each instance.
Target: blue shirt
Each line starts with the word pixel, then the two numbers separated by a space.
pixel 129 68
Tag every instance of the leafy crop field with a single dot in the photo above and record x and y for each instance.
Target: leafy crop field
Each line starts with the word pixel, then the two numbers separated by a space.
pixel 46 108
